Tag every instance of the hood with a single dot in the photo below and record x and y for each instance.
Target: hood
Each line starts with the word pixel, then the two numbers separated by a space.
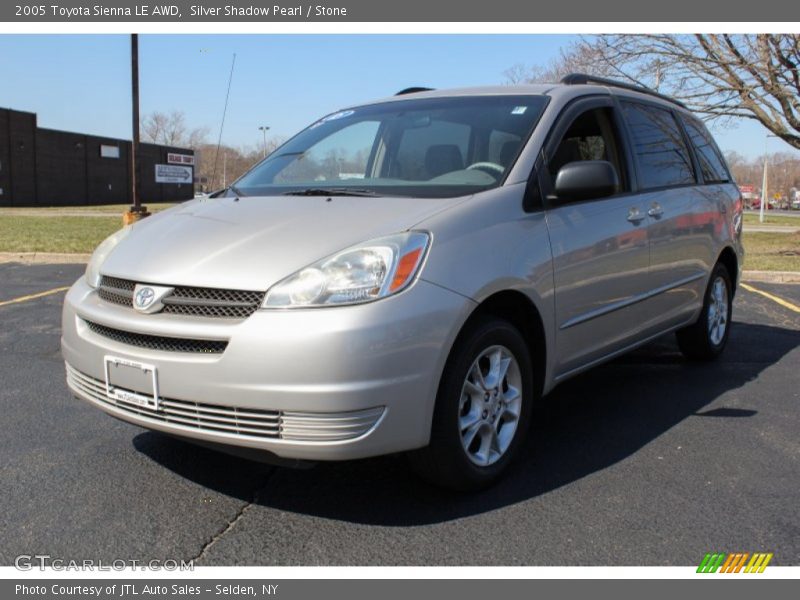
pixel 254 242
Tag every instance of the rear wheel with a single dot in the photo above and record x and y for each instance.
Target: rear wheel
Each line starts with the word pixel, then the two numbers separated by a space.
pixel 482 409
pixel 707 337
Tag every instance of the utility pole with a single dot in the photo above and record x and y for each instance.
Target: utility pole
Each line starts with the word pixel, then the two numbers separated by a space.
pixel 137 211
pixel 764 190
pixel 263 129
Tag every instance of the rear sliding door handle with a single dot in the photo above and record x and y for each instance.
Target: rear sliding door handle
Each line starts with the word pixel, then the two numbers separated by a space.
pixel 635 215
pixel 655 211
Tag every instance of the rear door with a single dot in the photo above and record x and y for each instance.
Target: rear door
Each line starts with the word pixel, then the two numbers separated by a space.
pixel 600 247
pixel 680 214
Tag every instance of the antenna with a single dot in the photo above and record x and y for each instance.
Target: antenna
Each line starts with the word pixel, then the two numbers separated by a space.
pixel 222 124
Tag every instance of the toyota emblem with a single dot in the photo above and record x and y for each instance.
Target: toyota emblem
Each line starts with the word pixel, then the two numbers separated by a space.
pixel 144 297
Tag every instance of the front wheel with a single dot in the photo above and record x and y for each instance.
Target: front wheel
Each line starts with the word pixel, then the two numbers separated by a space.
pixel 706 338
pixel 482 408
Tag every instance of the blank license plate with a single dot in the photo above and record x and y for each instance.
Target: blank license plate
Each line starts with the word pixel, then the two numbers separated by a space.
pixel 123 376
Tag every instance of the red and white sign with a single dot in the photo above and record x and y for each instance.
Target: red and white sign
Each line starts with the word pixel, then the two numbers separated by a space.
pixel 180 159
pixel 746 188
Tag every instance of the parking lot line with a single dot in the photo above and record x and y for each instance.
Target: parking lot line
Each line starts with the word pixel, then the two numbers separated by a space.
pixel 781 301
pixel 34 296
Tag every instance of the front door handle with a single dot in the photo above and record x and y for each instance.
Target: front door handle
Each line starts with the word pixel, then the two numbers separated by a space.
pixel 635 215
pixel 655 211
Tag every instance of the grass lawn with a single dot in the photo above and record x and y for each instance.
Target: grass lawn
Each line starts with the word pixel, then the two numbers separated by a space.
pixel 769 219
pixel 104 209
pixel 46 234
pixel 772 251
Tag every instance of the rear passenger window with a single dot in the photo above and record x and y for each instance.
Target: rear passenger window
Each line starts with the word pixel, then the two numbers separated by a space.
pixel 660 149
pixel 711 163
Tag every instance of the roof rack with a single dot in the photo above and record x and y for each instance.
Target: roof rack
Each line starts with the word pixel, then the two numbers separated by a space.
pixel 583 78
pixel 413 90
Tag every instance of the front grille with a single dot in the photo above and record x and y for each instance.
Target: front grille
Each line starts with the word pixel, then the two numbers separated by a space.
pixel 243 422
pixel 212 302
pixel 117 291
pixel 158 342
pixel 195 301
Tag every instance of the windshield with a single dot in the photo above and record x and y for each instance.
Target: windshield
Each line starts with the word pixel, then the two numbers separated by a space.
pixel 434 147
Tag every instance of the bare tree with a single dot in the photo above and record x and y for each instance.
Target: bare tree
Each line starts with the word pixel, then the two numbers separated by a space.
pixel 171 130
pixel 580 57
pixel 175 131
pixel 153 127
pixel 721 76
pixel 234 161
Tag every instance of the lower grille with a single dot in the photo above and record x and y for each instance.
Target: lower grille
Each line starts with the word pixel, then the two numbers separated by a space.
pixel 195 301
pixel 243 422
pixel 157 342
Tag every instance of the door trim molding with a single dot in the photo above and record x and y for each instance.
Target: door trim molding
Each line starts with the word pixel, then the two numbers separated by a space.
pixel 625 302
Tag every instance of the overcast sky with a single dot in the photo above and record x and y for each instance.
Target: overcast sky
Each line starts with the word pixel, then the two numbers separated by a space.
pixel 82 83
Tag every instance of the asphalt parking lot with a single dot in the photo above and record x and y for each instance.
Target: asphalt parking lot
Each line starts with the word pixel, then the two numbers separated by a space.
pixel 647 460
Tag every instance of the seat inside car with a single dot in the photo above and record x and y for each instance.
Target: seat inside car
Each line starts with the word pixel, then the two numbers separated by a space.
pixel 507 153
pixel 443 158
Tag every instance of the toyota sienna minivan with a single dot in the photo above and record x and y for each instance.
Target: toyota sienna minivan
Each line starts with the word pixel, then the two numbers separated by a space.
pixel 414 275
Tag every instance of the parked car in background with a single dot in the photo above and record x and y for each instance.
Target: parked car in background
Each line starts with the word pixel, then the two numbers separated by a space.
pixel 415 275
pixel 757 205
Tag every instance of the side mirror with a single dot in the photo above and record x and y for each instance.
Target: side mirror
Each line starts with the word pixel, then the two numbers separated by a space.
pixel 585 180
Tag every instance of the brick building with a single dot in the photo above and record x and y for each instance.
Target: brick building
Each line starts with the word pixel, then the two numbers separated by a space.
pixel 45 167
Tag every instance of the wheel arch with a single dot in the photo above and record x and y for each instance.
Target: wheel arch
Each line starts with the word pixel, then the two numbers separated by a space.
pixel 518 309
pixel 730 261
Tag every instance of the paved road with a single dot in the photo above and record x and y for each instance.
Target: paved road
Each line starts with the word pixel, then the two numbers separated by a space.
pixel 648 460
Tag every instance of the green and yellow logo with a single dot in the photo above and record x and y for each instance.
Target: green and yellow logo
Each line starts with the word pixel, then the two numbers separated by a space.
pixel 714 562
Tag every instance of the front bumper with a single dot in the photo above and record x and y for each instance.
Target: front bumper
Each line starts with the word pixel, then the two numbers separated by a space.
pixel 314 384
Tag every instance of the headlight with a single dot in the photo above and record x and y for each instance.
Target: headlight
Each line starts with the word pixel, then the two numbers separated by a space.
pixel 363 273
pixel 101 253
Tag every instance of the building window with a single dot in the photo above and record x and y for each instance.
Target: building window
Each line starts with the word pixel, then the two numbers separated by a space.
pixel 109 151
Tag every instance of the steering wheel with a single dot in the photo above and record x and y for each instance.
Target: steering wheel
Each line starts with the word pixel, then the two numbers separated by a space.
pixel 491 168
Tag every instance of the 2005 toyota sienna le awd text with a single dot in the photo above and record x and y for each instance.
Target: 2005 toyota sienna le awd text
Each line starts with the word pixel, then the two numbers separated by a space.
pixel 414 274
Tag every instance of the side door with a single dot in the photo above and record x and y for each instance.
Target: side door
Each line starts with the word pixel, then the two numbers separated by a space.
pixel 680 214
pixel 600 246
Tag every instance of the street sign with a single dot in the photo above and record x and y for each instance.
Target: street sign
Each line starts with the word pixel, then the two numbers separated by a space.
pixel 180 159
pixel 173 174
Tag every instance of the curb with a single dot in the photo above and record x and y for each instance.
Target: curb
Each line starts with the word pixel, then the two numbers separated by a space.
pixel 43 258
pixel 772 276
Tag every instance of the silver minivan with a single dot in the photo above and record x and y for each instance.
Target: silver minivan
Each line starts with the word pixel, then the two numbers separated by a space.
pixel 414 275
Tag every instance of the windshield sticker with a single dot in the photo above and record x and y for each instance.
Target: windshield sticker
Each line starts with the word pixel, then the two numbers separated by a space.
pixel 519 110
pixel 338 115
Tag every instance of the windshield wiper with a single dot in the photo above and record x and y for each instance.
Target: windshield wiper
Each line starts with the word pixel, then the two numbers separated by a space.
pixel 342 191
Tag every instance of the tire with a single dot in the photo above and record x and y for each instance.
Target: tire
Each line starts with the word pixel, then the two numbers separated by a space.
pixel 706 338
pixel 451 460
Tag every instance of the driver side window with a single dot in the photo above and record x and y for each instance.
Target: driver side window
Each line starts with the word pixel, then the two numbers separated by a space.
pixel 591 136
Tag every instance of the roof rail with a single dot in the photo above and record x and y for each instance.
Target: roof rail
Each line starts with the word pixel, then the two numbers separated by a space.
pixel 583 78
pixel 413 90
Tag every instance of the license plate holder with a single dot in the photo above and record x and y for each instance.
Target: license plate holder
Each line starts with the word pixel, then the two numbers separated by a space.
pixel 147 373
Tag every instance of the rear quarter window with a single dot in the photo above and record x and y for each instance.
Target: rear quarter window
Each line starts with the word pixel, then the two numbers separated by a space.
pixel 712 165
